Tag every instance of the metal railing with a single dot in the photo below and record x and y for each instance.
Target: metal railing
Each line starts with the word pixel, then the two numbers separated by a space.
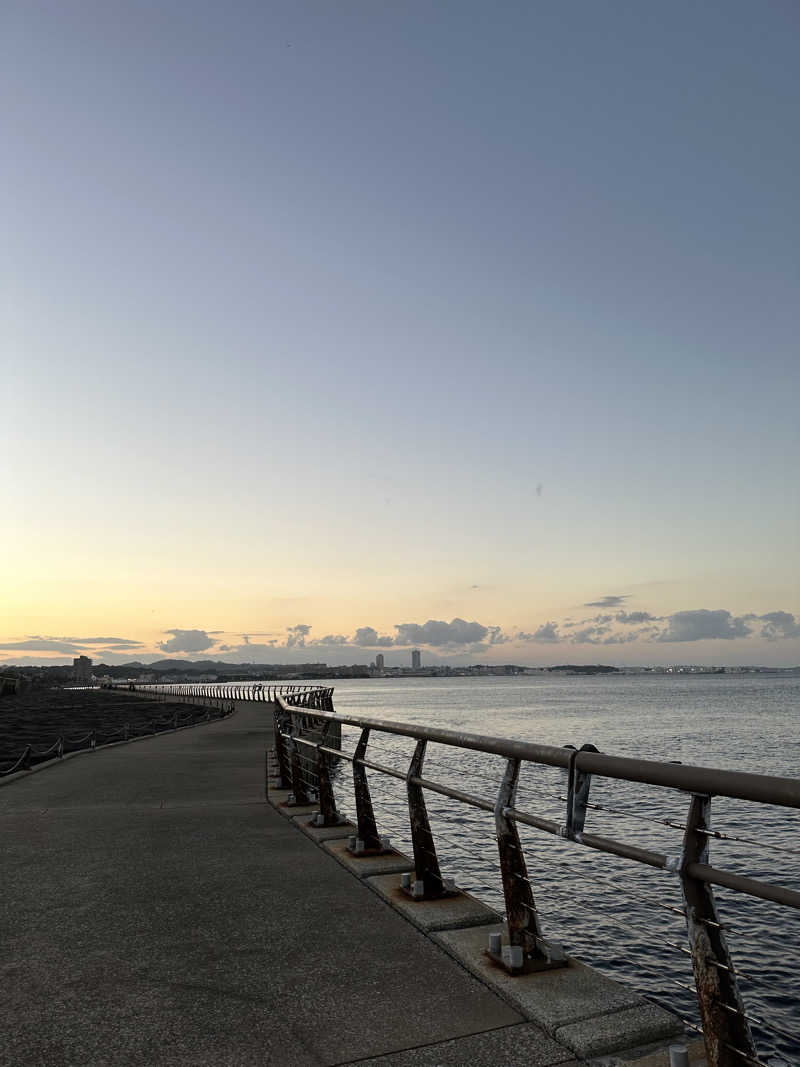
pixel 304 763
pixel 63 745
pixel 258 691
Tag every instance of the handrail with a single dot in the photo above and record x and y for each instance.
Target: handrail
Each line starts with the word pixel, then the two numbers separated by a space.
pixel 265 692
pixel 303 757
pixel 738 785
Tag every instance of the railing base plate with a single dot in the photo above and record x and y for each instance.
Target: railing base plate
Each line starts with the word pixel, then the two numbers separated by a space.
pixel 510 963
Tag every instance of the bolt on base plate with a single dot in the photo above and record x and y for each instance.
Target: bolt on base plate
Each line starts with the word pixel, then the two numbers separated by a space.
pixel 415 888
pixel 292 802
pixel 515 960
pixel 355 846
pixel 319 820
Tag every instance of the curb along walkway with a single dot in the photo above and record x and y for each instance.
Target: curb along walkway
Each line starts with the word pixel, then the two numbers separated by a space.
pixel 155 910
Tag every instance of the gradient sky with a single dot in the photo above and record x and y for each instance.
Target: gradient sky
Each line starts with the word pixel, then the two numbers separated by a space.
pixel 354 315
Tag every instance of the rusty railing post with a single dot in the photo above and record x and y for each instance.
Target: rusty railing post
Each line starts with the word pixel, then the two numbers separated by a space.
pixel 579 784
pixel 726 1031
pixel 428 883
pixel 527 950
pixel 367 839
pixel 327 814
pixel 281 754
pixel 299 795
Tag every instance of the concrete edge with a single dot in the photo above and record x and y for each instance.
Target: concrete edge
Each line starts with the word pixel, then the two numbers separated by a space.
pixel 585 1010
pixel 56 762
pixel 652 1026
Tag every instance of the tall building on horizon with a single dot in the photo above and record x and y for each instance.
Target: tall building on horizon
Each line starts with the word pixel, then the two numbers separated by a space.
pixel 379 661
pixel 416 659
pixel 82 670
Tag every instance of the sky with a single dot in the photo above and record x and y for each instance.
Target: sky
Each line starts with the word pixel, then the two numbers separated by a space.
pixel 336 328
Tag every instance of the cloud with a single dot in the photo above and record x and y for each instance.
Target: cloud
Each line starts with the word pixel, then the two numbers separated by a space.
pixel 635 618
pixel 778 624
pixel 70 645
pixel 186 641
pixel 297 635
pixel 704 625
pixel 437 633
pixel 368 637
pixel 43 644
pixel 119 642
pixel 547 634
pixel 607 602
pixel 590 635
pixel 331 639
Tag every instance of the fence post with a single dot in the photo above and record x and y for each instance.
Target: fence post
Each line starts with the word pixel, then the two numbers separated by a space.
pixel 428 883
pixel 284 769
pixel 527 950
pixel 367 839
pixel 726 1031
pixel 579 784
pixel 299 795
pixel 327 814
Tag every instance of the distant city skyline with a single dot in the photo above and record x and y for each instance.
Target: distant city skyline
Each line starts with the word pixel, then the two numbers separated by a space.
pixel 338 330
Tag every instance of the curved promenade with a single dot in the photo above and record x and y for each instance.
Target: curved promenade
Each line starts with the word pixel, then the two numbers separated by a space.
pixel 155 910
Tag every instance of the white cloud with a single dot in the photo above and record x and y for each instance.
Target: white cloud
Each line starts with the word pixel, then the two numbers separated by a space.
pixel 297 635
pixel 635 618
pixel 704 625
pixel 438 633
pixel 779 624
pixel 368 637
pixel 186 641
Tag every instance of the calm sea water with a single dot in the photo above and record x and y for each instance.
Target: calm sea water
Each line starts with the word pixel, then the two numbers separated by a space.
pixel 611 912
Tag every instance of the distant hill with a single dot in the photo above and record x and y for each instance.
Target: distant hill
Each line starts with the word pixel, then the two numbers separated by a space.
pixel 585 668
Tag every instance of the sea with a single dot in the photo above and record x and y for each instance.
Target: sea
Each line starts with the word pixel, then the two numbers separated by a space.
pixel 620 916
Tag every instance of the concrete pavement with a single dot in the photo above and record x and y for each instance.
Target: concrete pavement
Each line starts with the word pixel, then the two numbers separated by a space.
pixel 155 910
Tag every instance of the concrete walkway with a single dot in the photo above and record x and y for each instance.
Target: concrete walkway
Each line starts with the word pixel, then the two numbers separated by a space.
pixel 155 910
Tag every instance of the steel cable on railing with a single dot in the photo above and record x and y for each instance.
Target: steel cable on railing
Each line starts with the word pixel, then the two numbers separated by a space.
pixel 748 1015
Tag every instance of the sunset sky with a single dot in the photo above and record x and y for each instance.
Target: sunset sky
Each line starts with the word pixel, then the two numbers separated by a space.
pixel 343 327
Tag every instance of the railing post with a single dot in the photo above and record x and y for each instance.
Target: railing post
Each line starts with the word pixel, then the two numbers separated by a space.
pixel 327 814
pixel 527 950
pixel 299 795
pixel 367 838
pixel 579 784
pixel 726 1032
pixel 284 769
pixel 428 883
